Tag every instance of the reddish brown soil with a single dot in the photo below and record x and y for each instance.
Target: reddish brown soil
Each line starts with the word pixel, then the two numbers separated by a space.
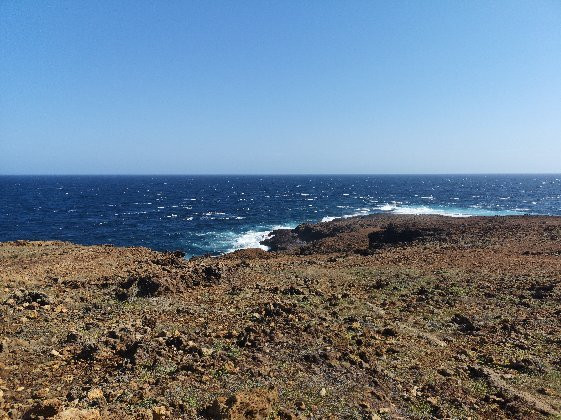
pixel 374 317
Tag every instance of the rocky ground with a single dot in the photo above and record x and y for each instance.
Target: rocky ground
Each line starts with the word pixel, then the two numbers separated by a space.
pixel 372 317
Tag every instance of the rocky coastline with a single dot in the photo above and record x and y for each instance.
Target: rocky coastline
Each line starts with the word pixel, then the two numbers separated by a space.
pixel 384 316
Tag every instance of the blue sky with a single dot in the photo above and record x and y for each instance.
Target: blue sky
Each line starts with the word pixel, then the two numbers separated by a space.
pixel 280 87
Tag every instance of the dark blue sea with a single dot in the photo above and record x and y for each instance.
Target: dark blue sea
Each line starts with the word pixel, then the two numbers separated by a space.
pixel 216 214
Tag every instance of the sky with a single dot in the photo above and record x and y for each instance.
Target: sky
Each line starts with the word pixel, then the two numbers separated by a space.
pixel 280 87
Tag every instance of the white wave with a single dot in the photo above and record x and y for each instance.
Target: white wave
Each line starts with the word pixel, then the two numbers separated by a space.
pixel 445 211
pixel 429 210
pixel 361 212
pixel 387 207
pixel 252 238
pixel 396 208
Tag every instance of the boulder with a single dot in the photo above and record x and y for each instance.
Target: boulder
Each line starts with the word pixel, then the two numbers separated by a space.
pixel 78 414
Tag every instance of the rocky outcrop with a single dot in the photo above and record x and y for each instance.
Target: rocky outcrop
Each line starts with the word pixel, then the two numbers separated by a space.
pixel 283 240
pixel 393 234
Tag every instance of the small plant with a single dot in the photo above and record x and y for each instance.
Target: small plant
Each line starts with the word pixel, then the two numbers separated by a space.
pixel 147 403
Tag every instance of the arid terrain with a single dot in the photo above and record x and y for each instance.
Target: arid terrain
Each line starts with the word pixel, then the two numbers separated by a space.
pixel 371 317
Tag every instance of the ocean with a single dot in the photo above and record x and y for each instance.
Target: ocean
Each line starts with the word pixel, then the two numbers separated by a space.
pixel 217 214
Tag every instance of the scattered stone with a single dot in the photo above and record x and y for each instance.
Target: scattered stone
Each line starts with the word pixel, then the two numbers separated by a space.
pixel 445 372
pixel 212 274
pixel 464 323
pixel 206 351
pixel 23 297
pixel 95 394
pixel 44 409
pixel 542 291
pixel 160 413
pixel 147 287
pixel 122 295
pixel 527 365
pixel 60 309
pixel 389 332
pixel 87 353
pixel 284 414
pixel 545 391
pixel 128 351
pixel 78 414
pixel 255 404
pixel 291 291
pixel 41 393
pixel 71 337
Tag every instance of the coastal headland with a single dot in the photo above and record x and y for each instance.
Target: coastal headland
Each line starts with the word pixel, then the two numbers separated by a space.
pixel 383 316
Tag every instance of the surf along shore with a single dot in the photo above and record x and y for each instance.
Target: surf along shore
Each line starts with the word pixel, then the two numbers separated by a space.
pixel 372 317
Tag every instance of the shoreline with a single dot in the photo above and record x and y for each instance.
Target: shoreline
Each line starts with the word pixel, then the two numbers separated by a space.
pixel 215 216
pixel 378 316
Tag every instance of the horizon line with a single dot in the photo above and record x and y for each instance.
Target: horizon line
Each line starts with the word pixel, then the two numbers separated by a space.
pixel 291 174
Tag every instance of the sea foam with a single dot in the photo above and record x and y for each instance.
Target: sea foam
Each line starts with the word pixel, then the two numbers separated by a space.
pixel 443 211
pixel 253 238
pixel 398 208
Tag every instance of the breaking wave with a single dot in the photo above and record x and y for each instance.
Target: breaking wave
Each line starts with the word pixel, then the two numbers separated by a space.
pixel 253 237
pixel 398 208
